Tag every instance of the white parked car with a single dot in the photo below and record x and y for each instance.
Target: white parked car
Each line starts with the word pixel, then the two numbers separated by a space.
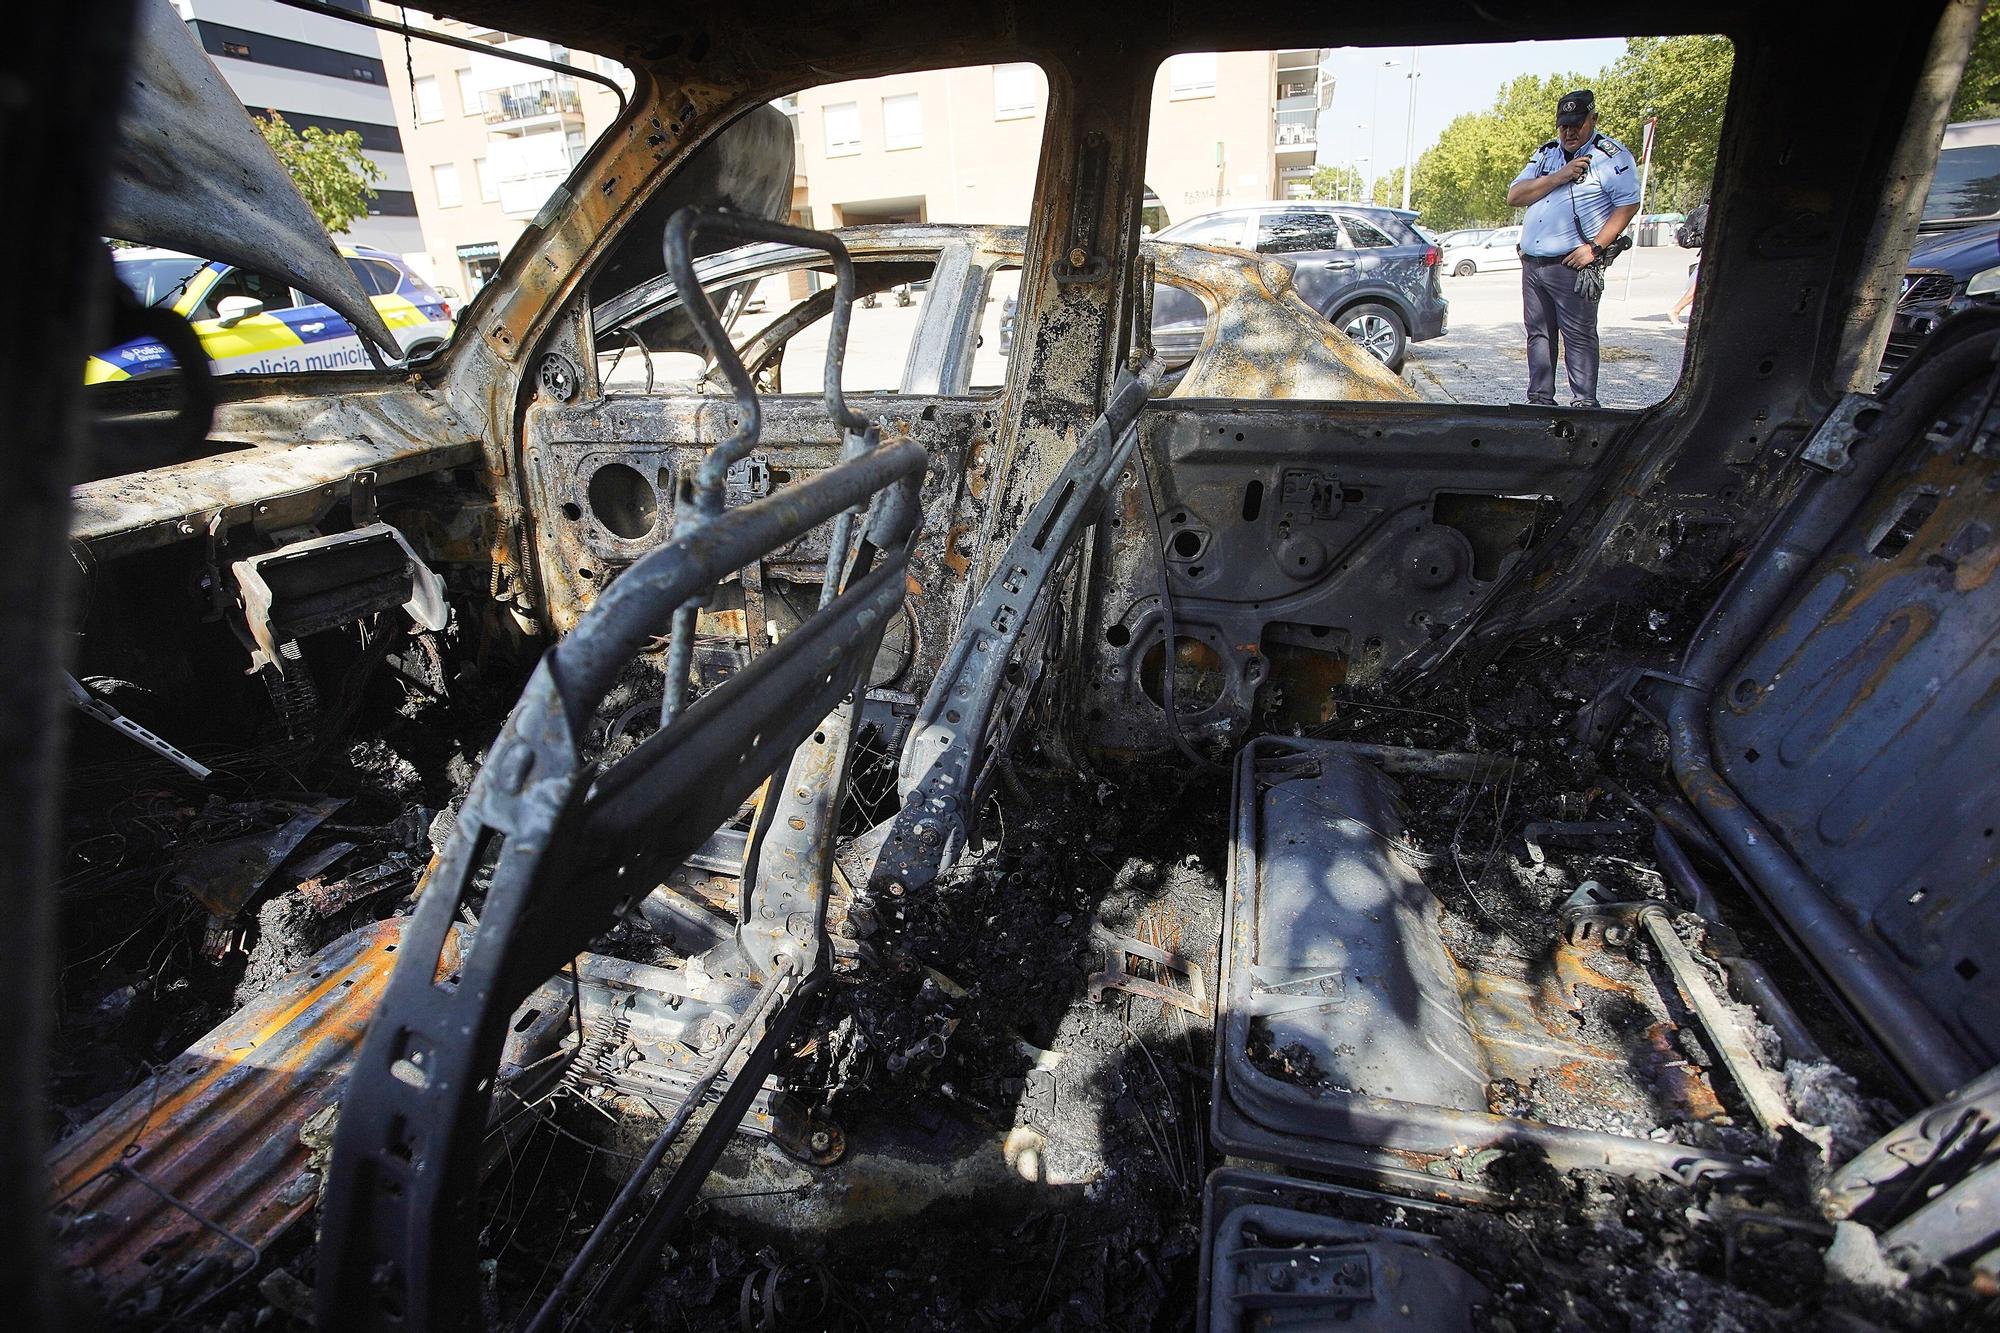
pixel 1497 251
pixel 1452 240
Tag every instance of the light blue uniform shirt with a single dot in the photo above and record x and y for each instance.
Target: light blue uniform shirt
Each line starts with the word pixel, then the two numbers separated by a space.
pixel 1570 215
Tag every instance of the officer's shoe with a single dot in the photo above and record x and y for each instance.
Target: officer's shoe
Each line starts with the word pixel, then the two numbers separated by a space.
pixel 1540 402
pixel 1584 402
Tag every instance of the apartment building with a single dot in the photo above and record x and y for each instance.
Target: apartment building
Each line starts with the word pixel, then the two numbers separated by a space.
pixel 1302 91
pixel 489 138
pixel 961 145
pixel 316 70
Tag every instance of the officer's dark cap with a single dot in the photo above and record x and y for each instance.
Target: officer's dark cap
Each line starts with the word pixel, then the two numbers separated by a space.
pixel 1575 108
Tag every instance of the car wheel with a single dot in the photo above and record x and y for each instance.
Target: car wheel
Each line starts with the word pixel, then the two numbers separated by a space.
pixel 1378 328
pixel 1466 268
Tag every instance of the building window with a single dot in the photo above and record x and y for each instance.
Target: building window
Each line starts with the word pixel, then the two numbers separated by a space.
pixel 1191 75
pixel 430 102
pixel 445 180
pixel 1016 91
pixel 843 129
pixel 468 93
pixel 903 121
pixel 489 189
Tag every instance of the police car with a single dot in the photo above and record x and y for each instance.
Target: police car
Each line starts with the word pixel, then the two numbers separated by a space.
pixel 251 324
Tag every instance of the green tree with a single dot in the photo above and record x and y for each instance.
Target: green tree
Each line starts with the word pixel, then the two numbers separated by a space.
pixel 1979 90
pixel 1334 183
pixel 331 171
pixel 1389 190
pixel 1462 179
pixel 1684 83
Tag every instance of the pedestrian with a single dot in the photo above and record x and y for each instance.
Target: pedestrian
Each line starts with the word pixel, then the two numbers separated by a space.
pixel 1691 235
pixel 1687 297
pixel 1581 190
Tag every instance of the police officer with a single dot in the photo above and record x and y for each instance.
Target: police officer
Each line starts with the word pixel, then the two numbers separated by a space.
pixel 1581 190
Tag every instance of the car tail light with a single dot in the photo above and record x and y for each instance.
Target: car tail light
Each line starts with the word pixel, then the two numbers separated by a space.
pixel 1432 256
pixel 446 307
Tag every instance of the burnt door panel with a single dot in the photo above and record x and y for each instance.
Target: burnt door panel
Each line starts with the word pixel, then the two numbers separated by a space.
pixel 1309 548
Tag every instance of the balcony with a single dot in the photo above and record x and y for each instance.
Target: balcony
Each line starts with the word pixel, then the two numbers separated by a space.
pixel 531 101
pixel 1296 129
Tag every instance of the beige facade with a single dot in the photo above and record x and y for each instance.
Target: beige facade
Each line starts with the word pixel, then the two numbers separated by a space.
pixel 961 145
pixel 486 139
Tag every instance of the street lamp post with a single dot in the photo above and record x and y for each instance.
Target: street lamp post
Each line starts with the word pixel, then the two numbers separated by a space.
pixel 1375 124
pixel 1364 193
pixel 1410 130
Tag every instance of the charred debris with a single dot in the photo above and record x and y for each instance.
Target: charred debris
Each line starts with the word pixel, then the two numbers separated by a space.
pixel 999 1113
pixel 1081 858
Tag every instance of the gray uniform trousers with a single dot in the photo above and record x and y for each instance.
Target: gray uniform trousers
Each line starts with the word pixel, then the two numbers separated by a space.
pixel 1550 301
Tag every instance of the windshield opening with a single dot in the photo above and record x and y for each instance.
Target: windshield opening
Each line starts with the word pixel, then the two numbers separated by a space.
pixel 157 279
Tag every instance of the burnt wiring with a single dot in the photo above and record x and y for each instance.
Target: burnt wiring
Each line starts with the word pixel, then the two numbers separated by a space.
pixel 409 60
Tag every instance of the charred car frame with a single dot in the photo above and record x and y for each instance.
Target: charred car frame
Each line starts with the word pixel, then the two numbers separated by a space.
pixel 1287 858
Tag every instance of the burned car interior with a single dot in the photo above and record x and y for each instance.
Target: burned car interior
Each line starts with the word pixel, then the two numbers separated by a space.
pixel 1185 836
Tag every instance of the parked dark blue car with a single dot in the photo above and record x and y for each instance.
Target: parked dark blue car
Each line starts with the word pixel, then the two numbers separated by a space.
pixel 1366 269
pixel 1948 272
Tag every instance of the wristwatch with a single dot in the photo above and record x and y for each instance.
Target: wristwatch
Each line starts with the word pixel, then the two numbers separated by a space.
pixel 1596 249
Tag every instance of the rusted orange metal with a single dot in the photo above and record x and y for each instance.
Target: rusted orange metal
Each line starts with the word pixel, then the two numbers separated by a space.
pixel 204 1164
pixel 1257 309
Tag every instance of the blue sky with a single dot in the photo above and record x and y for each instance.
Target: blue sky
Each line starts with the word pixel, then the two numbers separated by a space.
pixel 1452 81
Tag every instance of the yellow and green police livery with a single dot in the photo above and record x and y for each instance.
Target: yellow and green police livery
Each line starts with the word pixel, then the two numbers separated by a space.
pixel 251 324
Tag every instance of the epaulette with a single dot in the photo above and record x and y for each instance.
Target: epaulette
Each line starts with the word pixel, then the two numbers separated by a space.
pixel 1610 143
pixel 1550 144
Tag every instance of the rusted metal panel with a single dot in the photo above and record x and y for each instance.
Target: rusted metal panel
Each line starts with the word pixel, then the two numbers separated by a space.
pixel 297 456
pixel 1355 1032
pixel 658 436
pixel 203 1165
pixel 1263 341
pixel 1864 724
pixel 1303 551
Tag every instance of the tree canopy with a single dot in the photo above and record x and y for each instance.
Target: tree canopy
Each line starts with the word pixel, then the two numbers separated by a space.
pixel 1335 183
pixel 331 171
pixel 1979 90
pixel 1684 82
pixel 1389 189
pixel 1462 179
